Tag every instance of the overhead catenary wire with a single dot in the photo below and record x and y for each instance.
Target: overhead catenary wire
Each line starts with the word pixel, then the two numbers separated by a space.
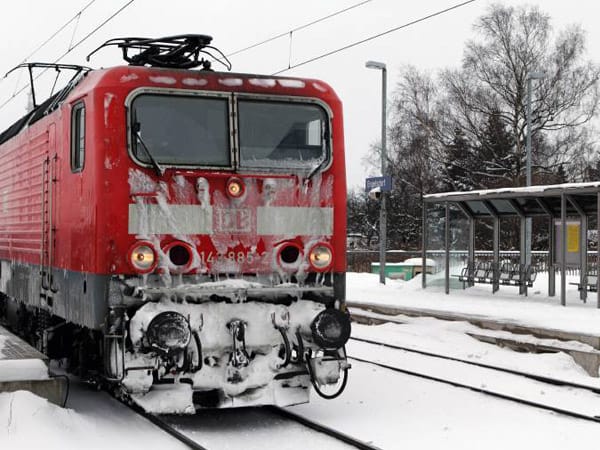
pixel 370 38
pixel 91 33
pixel 71 48
pixel 287 33
pixel 53 35
pixel 77 16
pixel 298 28
pixel 74 30
pixel 257 44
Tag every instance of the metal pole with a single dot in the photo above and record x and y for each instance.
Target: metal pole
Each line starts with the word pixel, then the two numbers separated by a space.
pixel 598 250
pixel 383 211
pixel 447 250
pixel 424 248
pixel 528 226
pixel 528 141
pixel 583 272
pixel 496 258
pixel 552 259
pixel 471 261
pixel 523 256
pixel 563 250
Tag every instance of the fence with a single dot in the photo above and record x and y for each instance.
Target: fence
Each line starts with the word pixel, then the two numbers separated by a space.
pixel 360 260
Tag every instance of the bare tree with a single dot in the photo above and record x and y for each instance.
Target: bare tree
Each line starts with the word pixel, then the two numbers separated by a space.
pixel 512 43
pixel 466 128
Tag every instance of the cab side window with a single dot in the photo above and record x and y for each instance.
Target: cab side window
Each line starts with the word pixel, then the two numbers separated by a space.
pixel 77 137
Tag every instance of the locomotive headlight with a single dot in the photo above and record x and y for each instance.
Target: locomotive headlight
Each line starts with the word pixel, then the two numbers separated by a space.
pixel 142 257
pixel 331 328
pixel 169 332
pixel 235 187
pixel 320 257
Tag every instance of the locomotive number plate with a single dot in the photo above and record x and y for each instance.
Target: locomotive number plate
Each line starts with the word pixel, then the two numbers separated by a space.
pixel 234 220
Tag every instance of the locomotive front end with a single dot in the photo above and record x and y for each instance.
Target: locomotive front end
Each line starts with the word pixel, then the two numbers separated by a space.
pixel 230 288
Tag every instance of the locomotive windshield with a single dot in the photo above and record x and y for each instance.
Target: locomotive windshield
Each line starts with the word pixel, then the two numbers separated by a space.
pixel 274 134
pixel 176 130
pixel 180 130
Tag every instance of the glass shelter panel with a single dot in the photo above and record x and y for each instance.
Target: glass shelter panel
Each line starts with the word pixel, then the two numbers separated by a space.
pixel 503 206
pixel 459 246
pixel 477 207
pixel 434 245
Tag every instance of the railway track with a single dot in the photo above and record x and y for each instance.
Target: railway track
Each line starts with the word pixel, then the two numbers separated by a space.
pixel 532 376
pixel 481 389
pixel 168 428
pixel 189 429
pixel 324 429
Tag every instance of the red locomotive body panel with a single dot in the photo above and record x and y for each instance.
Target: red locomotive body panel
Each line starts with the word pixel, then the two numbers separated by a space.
pixel 112 230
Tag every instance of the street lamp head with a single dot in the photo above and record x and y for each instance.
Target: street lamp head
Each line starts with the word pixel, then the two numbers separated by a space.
pixel 375 65
pixel 536 75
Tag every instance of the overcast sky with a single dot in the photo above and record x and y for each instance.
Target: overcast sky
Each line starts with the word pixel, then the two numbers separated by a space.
pixel 235 24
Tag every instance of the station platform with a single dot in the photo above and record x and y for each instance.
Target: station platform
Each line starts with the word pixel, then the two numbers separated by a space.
pixel 583 347
pixel 22 367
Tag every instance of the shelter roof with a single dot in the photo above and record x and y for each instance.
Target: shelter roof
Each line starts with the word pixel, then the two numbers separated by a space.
pixel 540 200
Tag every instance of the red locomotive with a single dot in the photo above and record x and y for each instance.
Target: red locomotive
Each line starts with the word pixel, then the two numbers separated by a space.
pixel 180 234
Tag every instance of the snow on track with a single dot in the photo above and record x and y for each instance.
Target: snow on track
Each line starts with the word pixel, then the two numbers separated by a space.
pixel 580 401
pixel 251 428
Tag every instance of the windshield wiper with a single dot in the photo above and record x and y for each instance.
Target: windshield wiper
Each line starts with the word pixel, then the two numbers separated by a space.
pixel 314 170
pixel 159 170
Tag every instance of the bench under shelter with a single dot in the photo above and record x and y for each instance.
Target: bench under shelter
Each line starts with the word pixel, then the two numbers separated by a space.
pixel 560 203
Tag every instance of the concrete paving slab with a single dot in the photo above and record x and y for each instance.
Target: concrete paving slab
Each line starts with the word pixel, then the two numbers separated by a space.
pixel 12 349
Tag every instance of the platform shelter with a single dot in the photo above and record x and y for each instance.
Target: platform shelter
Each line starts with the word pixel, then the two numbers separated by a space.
pixel 450 218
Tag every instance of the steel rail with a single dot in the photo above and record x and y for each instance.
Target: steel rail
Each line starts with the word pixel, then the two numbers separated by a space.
pixel 192 444
pixel 532 376
pixel 331 432
pixel 156 420
pixel 496 394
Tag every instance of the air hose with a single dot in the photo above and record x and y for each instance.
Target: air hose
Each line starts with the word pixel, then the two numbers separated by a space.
pixel 316 385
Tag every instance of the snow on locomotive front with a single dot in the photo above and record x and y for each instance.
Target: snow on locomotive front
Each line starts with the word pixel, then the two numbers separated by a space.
pixel 228 200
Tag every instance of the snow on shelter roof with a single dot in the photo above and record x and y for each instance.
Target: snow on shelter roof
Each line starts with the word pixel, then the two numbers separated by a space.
pixel 550 189
pixel 524 201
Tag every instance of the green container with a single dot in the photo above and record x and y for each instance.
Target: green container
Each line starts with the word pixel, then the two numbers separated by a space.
pixel 399 271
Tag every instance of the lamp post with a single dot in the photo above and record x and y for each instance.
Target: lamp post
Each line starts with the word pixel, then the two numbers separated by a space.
pixel 528 231
pixel 382 213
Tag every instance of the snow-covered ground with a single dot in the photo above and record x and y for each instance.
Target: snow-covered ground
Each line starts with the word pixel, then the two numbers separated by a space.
pixel 389 409
pixel 537 309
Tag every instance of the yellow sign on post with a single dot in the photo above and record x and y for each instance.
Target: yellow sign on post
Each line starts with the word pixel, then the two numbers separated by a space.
pixel 573 237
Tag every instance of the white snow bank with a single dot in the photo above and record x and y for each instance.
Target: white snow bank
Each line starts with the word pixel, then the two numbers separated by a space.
pixel 93 421
pixel 22 369
pixel 419 261
pixel 30 422
pixel 411 262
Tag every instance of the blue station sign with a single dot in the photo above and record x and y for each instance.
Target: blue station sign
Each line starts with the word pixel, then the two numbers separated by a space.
pixel 384 183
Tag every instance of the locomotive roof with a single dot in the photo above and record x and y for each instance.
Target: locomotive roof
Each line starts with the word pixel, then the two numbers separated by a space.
pixel 31 117
pixel 174 78
pixel 223 81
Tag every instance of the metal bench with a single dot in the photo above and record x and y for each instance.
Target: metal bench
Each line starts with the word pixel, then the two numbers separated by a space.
pixel 510 274
pixel 591 282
